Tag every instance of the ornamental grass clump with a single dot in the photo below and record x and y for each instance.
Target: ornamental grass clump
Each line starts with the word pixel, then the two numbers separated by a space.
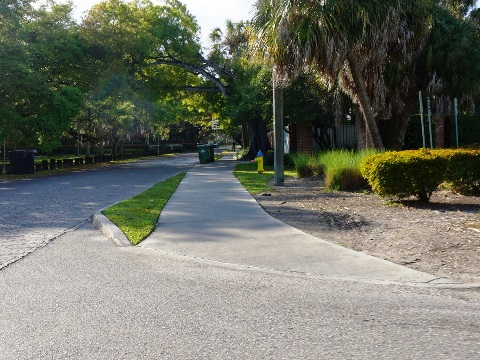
pixel 342 170
pixel 339 168
pixel 307 165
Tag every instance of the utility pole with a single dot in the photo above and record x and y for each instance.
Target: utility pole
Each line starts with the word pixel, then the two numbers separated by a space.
pixel 278 165
pixel 421 117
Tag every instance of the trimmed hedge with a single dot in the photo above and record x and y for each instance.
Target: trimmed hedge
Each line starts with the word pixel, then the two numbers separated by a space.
pixel 463 172
pixel 419 172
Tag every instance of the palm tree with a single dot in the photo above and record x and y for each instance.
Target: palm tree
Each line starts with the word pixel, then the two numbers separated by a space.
pixel 453 60
pixel 348 42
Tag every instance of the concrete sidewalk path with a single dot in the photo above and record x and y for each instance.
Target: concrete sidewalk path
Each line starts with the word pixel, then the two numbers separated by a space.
pixel 212 217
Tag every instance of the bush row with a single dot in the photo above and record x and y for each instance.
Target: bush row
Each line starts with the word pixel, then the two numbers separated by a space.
pixel 420 172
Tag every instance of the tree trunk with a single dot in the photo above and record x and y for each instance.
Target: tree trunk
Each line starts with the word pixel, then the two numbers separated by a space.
pixel 397 126
pixel 440 133
pixel 101 147
pixel 245 136
pixel 364 102
pixel 115 146
pixel 258 138
pixel 87 148
pixel 121 148
pixel 360 128
pixel 395 132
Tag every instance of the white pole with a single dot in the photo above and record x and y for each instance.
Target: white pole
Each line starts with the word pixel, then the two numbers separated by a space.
pixel 421 117
pixel 430 122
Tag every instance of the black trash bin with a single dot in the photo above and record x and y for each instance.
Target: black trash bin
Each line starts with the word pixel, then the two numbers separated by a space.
pixel 30 162
pixel 211 151
pixel 22 161
pixel 18 161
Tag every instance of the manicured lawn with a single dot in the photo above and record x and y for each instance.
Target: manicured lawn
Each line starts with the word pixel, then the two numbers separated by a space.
pixel 254 182
pixel 138 216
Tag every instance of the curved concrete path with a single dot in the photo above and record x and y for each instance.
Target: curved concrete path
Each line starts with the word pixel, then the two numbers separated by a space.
pixel 211 216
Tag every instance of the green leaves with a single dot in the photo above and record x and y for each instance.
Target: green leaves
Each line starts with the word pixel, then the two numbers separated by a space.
pixel 40 58
pixel 55 117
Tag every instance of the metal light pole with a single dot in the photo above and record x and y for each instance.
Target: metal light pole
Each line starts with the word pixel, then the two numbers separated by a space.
pixel 278 166
pixel 421 117
pixel 430 122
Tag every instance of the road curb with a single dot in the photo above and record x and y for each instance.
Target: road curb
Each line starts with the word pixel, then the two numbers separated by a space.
pixel 109 229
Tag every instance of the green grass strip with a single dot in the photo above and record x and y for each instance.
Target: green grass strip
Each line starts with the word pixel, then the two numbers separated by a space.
pixel 251 180
pixel 138 216
pixel 254 182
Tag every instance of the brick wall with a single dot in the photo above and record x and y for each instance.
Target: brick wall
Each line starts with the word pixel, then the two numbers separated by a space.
pixel 304 138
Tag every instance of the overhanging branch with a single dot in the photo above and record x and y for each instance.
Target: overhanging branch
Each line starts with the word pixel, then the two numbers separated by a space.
pixel 201 89
pixel 194 69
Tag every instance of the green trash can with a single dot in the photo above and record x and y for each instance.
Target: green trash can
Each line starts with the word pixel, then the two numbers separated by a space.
pixel 211 151
pixel 203 153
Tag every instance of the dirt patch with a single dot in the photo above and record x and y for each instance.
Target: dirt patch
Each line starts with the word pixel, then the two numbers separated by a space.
pixel 440 238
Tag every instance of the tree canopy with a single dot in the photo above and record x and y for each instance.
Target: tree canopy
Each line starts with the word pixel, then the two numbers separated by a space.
pixel 136 66
pixel 371 49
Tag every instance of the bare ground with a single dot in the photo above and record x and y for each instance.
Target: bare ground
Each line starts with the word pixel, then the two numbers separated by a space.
pixel 440 238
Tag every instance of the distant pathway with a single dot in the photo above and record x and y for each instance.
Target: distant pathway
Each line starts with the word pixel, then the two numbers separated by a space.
pixel 35 211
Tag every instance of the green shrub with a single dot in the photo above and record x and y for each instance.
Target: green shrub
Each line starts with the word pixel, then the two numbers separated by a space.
pixel 268 160
pixel 463 173
pixel 288 161
pixel 405 173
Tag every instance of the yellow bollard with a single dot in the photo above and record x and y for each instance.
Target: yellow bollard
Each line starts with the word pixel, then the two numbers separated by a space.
pixel 259 161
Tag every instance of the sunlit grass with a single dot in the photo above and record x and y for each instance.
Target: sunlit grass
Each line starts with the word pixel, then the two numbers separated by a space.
pixel 138 216
pixel 254 182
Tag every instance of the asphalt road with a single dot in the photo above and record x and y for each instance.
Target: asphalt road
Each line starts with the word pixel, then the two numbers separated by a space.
pixel 35 211
pixel 81 297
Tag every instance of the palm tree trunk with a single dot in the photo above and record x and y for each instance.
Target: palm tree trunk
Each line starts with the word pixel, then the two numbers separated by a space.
pixel 364 102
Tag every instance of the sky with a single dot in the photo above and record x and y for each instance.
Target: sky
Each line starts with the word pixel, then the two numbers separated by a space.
pixel 208 13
